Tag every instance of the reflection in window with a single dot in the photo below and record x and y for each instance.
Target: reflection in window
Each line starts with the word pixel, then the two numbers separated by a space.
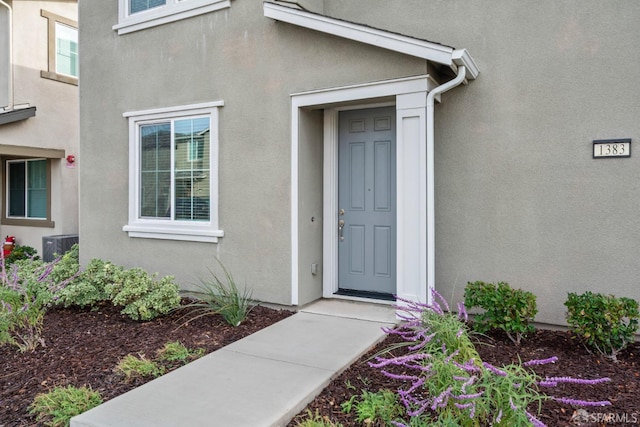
pixel 175 170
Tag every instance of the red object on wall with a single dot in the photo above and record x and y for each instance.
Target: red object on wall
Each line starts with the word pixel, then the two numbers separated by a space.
pixel 8 245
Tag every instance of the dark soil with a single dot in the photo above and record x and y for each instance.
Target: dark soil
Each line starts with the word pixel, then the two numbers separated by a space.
pixel 83 348
pixel 623 391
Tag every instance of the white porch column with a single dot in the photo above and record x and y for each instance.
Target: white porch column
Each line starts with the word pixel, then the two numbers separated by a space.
pixel 412 256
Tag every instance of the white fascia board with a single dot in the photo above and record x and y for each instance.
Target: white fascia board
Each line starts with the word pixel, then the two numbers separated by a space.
pixel 410 46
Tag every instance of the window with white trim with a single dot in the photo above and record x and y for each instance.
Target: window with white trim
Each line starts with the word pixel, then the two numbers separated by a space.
pixel 136 15
pixel 173 173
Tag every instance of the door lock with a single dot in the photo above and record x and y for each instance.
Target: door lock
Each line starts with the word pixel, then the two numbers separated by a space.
pixel 340 229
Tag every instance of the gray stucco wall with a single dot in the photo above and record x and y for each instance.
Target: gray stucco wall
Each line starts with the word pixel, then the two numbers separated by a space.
pixel 518 196
pixel 251 63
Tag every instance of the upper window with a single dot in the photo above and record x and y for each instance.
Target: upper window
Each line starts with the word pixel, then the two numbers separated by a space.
pixel 173 173
pixel 63 49
pixel 27 192
pixel 136 15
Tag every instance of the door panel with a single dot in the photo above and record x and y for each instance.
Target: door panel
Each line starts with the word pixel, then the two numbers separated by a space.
pixel 367 201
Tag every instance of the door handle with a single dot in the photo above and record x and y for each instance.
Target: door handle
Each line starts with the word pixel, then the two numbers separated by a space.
pixel 340 229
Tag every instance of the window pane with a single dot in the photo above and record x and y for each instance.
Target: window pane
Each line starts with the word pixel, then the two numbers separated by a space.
pixel 66 50
pixel 17 188
pixel 140 5
pixel 192 174
pixel 155 169
pixel 37 189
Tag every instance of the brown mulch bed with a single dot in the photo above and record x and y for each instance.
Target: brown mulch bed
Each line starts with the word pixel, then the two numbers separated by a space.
pixel 623 391
pixel 83 347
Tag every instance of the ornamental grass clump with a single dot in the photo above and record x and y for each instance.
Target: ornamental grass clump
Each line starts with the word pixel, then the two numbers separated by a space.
pixel 219 295
pixel 449 384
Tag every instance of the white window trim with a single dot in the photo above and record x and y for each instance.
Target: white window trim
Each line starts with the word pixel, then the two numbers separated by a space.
pixel 174 10
pixel 172 230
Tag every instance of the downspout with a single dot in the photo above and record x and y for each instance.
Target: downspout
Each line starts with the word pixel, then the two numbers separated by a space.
pixel 431 223
pixel 10 106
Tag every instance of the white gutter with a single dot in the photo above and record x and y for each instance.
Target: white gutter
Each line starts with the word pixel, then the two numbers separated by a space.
pixel 431 200
pixel 9 107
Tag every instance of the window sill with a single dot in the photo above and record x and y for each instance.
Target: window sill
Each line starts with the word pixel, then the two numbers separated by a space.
pixel 174 232
pixel 59 77
pixel 164 15
pixel 29 222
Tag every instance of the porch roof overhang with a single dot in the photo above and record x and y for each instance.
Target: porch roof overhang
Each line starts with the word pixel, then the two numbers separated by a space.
pixel 26 151
pixel 15 115
pixel 430 51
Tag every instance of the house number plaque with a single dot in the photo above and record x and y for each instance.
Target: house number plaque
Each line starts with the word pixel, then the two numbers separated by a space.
pixel 606 148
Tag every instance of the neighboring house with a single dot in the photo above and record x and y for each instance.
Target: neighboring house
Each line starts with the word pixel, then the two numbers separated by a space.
pixel 343 149
pixel 38 119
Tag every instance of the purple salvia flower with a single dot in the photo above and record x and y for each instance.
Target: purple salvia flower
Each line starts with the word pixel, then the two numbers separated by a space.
pixel 541 361
pixel 536 422
pixel 437 295
pixel 464 405
pixel 442 399
pixel 499 417
pixel 462 312
pixel 460 332
pixel 547 383
pixel 557 380
pixel 400 360
pixel 578 402
pixel 399 376
pixel 451 356
pixel 397 424
pixel 469 396
pixel 495 370
pixel 513 406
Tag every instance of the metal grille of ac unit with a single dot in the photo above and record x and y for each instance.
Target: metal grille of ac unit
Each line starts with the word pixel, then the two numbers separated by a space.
pixel 54 246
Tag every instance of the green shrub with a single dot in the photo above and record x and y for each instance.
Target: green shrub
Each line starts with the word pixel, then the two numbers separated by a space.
pixel 89 288
pixel 142 297
pixel 57 407
pixel 380 408
pixel 138 367
pixel 505 308
pixel 67 266
pixel 220 295
pixel 604 322
pixel 19 253
pixel 176 352
pixel 316 420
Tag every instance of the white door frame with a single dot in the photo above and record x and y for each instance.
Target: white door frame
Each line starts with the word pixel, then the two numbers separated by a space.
pixel 412 260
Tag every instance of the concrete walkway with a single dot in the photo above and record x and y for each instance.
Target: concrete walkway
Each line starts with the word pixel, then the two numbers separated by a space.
pixel 264 379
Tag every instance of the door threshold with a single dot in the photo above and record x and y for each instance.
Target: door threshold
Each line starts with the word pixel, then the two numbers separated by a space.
pixel 365 295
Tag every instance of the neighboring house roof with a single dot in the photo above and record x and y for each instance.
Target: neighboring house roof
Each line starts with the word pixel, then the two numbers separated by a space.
pixel 15 115
pixel 435 52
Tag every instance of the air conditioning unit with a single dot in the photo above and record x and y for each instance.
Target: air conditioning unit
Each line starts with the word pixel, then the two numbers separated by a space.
pixel 54 246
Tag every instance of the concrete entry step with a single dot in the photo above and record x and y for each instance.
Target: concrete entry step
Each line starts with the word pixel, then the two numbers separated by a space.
pixel 262 380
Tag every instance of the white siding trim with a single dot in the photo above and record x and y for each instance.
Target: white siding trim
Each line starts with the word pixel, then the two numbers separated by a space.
pixel 410 97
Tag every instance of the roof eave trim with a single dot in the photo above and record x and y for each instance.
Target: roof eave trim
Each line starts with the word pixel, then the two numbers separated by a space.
pixel 411 46
pixel 17 115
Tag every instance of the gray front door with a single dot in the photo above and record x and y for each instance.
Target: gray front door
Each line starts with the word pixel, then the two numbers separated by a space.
pixel 367 201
